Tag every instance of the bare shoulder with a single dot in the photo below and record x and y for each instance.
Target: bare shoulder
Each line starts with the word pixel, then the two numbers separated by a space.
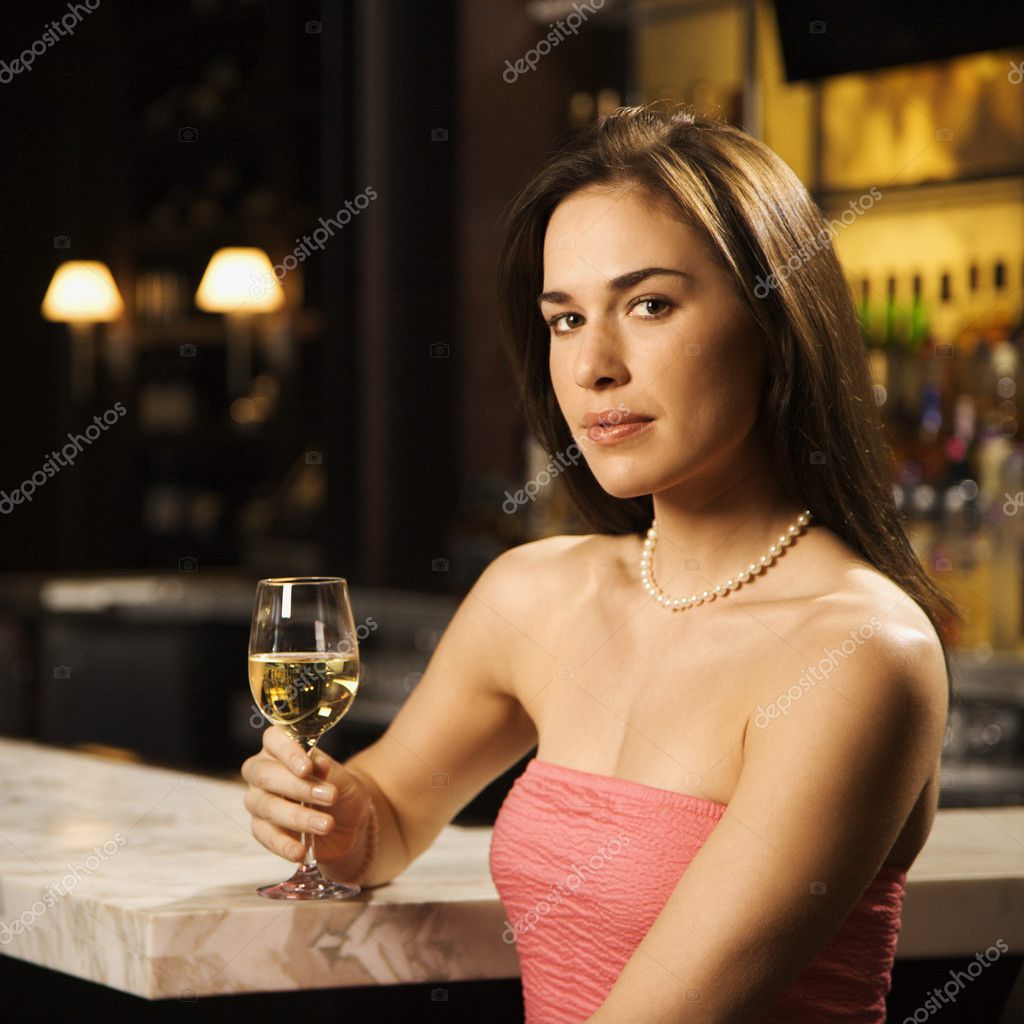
pixel 893 638
pixel 552 568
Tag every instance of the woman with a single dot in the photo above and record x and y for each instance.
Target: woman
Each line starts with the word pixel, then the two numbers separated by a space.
pixel 737 684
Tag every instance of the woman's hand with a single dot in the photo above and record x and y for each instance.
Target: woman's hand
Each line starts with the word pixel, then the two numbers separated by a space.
pixel 280 776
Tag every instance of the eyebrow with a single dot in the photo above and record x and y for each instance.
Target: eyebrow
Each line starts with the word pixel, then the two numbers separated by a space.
pixel 617 284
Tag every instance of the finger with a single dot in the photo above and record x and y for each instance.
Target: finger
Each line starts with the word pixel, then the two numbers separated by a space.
pixel 277 840
pixel 267 773
pixel 279 744
pixel 287 814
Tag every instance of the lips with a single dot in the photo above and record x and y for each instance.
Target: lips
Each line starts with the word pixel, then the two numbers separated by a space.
pixel 611 426
pixel 612 417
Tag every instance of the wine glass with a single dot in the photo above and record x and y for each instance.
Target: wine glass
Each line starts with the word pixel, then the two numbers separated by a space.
pixel 304 674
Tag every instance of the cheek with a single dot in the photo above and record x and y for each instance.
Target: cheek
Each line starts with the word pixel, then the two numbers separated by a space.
pixel 715 380
pixel 560 372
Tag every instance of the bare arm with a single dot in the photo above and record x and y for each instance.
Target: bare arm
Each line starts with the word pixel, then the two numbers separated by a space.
pixel 823 794
pixel 459 729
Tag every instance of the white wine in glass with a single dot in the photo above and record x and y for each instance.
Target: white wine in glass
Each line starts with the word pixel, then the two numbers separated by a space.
pixel 304 675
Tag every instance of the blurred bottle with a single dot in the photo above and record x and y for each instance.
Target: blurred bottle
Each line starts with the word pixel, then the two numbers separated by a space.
pixel 964 566
pixel 914 369
pixel 1006 519
pixel 872 331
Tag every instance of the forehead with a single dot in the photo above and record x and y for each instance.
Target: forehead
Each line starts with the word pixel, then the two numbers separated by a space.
pixel 611 228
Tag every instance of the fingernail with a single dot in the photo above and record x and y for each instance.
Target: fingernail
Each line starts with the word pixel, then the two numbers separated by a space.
pixel 319 823
pixel 299 763
pixel 321 793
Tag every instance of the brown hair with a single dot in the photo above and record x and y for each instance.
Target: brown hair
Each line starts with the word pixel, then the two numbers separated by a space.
pixel 817 406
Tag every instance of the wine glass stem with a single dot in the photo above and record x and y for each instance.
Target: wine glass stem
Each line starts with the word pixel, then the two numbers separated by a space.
pixel 309 857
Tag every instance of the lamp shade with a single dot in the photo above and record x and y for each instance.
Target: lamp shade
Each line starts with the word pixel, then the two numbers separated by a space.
pixel 82 291
pixel 239 280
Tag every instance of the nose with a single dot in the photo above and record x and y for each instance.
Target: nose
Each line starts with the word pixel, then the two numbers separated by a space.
pixel 599 362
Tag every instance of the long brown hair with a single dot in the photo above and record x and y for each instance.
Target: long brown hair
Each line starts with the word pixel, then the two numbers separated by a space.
pixel 818 407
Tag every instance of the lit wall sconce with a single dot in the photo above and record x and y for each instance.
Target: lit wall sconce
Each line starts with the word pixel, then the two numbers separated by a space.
pixel 239 282
pixel 82 293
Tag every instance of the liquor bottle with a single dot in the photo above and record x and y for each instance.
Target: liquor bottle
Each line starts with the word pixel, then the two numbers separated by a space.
pixel 896 360
pixel 919 317
pixel 914 374
pixel 972 312
pixel 999 322
pixel 1006 519
pixel 864 317
pixel 873 335
pixel 937 351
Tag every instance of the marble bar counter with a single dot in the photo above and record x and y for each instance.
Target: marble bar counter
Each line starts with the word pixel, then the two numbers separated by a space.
pixel 143 879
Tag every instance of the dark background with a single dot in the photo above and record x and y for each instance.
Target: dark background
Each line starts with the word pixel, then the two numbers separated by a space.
pixel 152 136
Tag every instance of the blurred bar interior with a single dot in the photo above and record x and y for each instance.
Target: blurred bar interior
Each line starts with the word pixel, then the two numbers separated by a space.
pixel 252 329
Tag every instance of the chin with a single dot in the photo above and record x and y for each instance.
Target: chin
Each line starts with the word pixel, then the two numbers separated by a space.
pixel 634 478
pixel 626 485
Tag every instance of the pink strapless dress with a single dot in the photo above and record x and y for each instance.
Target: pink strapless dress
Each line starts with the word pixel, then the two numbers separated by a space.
pixel 583 864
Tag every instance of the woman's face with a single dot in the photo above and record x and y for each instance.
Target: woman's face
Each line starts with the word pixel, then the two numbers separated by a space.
pixel 644 324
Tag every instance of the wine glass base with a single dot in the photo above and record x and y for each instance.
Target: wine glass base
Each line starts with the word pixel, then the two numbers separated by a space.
pixel 308 884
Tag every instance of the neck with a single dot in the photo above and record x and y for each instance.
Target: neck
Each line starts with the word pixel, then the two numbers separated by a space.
pixel 706 535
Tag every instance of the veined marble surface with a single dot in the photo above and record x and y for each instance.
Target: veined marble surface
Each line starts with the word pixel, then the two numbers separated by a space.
pixel 144 879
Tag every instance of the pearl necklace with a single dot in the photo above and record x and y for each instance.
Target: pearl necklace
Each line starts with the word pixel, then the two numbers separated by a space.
pixel 676 603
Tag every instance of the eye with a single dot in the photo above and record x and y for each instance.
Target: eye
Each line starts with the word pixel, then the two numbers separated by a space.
pixel 553 321
pixel 649 301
